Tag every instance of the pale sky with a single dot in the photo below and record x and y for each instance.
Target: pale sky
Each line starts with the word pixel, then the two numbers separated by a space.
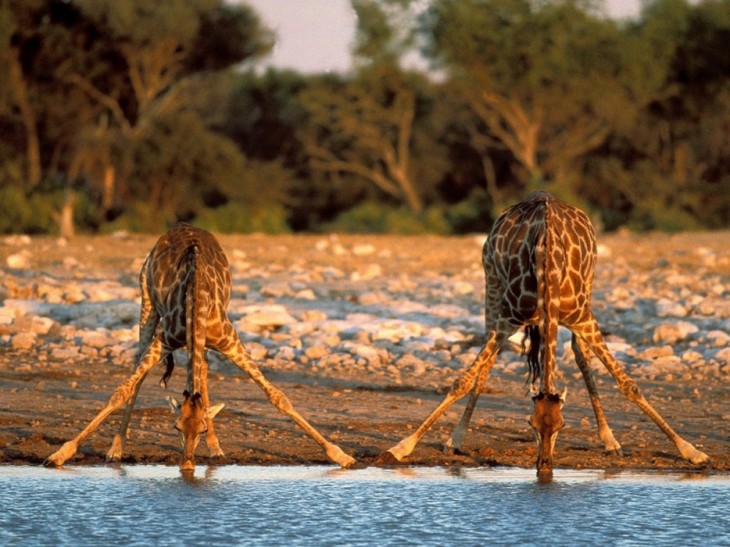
pixel 316 35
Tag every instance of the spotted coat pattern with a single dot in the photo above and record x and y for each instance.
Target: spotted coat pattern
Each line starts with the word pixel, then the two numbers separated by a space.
pixel 186 287
pixel 538 262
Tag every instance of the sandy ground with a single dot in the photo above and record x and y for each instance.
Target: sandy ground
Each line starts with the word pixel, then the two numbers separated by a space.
pixel 46 400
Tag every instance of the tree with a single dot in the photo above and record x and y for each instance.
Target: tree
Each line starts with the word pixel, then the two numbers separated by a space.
pixel 365 126
pixel 669 166
pixel 542 79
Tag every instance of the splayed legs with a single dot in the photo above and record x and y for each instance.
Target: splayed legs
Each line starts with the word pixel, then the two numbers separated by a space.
pixel 120 396
pixel 590 333
pixel 242 359
pixel 463 384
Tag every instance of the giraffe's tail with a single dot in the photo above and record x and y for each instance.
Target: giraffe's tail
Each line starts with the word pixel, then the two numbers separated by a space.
pixel 196 315
pixel 543 335
pixel 532 333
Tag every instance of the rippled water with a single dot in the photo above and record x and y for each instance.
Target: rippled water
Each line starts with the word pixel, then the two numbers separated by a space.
pixel 232 505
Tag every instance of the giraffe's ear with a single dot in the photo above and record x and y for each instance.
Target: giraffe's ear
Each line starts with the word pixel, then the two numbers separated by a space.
pixel 215 409
pixel 563 395
pixel 174 405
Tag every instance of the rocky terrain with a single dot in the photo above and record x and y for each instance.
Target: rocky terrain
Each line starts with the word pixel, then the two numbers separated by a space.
pixel 364 334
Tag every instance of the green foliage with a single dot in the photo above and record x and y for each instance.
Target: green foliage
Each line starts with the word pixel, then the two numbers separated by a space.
pixel 242 218
pixel 30 214
pixel 138 109
pixel 372 217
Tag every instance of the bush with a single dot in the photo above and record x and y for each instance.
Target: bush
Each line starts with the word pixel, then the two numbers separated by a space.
pixel 371 217
pixel 27 214
pixel 239 218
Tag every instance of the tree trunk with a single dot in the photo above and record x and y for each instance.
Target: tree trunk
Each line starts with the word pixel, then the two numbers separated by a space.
pixel 65 218
pixel 27 115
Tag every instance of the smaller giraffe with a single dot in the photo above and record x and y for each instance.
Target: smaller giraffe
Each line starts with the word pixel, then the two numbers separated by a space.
pixel 186 285
pixel 538 262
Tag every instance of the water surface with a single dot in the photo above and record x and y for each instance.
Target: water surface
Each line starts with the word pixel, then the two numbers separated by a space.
pixel 234 505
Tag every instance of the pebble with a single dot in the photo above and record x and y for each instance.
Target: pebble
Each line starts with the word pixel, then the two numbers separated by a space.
pixel 670 333
pixel 332 319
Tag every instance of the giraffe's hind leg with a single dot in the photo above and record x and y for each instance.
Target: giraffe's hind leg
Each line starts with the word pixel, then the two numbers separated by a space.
pixel 453 445
pixel 581 351
pixel 120 396
pixel 589 331
pixel 238 354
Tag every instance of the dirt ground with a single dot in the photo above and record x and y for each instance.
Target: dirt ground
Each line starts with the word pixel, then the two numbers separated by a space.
pixel 44 403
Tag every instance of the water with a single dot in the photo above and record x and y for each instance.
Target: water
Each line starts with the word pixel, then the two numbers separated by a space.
pixel 232 505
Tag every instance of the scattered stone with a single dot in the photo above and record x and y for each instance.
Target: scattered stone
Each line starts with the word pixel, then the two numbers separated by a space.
pixel 723 356
pixel 23 341
pixel 363 249
pixel 669 308
pixel 670 333
pixel 656 353
pixel 718 338
pixel 19 261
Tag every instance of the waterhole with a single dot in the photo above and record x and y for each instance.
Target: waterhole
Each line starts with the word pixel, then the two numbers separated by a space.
pixel 234 505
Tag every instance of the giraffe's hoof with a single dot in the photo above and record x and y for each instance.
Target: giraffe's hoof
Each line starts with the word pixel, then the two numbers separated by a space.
pixel 618 452
pixel 59 457
pixel 50 462
pixel 691 454
pixel 387 458
pixel 701 459
pixel 338 456
pixel 452 450
pixel 215 451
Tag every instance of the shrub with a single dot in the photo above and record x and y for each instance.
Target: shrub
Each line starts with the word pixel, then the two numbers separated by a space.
pixel 234 217
pixel 371 217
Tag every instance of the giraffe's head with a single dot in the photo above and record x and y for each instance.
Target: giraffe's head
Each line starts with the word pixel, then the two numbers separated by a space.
pixel 191 423
pixel 547 421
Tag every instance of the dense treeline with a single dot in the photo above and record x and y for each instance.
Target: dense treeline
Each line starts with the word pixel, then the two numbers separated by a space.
pixel 130 114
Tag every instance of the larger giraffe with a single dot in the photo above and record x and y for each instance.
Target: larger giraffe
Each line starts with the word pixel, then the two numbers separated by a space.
pixel 538 263
pixel 186 286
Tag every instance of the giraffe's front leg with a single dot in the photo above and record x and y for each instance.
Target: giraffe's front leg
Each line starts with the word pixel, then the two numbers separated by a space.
pixel 118 398
pixel 460 387
pixel 115 452
pixel 453 445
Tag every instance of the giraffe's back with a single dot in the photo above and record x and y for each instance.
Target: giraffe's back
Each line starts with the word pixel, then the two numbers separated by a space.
pixel 515 245
pixel 166 273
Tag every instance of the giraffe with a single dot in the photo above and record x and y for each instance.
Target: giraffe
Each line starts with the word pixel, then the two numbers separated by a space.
pixel 186 285
pixel 539 262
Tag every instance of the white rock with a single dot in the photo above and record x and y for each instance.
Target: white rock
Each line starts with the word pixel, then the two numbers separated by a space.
pixel 462 288
pixel 718 338
pixel 95 339
pixel 669 308
pixel 23 340
pixel 670 333
pixel 363 249
pixel 656 353
pixel 691 356
pixel 64 353
pixel 18 261
pixel 276 290
pixel 371 271
pixel 305 294
pixel 268 316
pixel 723 356
pixel 603 251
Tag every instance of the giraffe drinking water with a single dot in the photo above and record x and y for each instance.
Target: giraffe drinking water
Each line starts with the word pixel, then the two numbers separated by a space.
pixel 538 262
pixel 186 286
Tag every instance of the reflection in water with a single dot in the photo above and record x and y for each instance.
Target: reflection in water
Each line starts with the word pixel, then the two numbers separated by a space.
pixel 142 505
